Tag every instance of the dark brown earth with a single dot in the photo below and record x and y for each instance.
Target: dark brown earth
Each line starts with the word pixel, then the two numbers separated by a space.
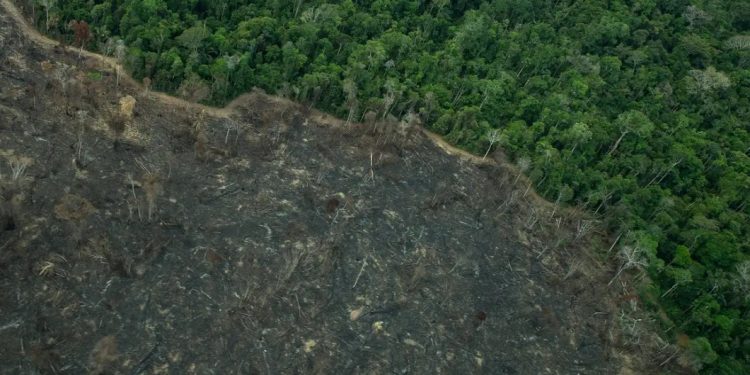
pixel 267 238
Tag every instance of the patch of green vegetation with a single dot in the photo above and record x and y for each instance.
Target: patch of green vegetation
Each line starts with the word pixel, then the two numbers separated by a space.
pixel 94 75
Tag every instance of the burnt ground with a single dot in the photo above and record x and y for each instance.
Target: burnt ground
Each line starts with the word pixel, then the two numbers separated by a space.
pixel 271 241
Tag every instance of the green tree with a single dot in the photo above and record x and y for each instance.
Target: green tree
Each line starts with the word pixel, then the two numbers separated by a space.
pixel 632 122
pixel 192 38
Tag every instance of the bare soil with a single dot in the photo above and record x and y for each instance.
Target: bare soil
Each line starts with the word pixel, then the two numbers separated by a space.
pixel 268 238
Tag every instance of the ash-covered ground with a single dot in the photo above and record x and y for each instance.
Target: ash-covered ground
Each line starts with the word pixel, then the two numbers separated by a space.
pixel 147 236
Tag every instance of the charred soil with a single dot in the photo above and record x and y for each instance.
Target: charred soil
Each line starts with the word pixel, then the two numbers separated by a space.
pixel 141 235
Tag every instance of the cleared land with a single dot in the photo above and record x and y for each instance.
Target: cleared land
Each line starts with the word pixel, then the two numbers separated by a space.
pixel 268 238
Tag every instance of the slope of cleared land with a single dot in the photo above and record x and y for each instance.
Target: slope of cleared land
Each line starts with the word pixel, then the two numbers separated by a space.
pixel 268 238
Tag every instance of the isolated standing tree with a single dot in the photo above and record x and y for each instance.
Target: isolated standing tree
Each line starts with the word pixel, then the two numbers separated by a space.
pixel 82 34
pixel 492 136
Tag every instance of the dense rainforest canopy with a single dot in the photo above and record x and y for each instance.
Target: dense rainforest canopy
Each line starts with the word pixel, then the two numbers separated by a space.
pixel 634 109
